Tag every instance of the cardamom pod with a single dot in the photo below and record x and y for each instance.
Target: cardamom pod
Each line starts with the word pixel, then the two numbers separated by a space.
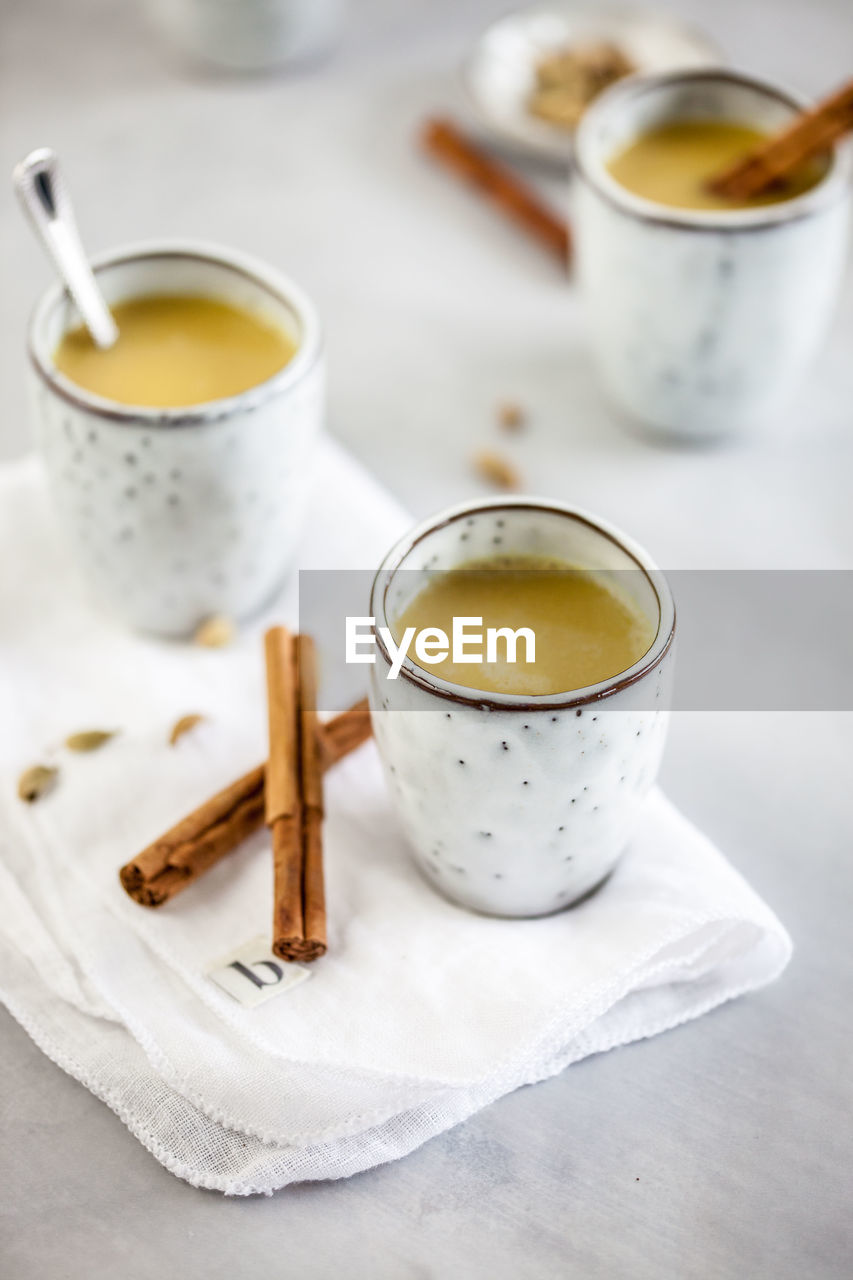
pixel 215 633
pixel 511 416
pixel 89 739
pixel 182 726
pixel 35 781
pixel 496 469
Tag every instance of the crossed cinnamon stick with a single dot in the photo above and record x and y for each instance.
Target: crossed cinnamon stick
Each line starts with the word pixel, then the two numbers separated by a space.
pixel 186 851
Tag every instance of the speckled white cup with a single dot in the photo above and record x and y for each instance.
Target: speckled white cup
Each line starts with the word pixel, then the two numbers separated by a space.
pixel 175 515
pixel 515 805
pixel 702 323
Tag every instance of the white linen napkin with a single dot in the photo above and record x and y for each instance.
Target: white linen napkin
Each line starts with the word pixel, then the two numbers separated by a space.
pixel 419 1015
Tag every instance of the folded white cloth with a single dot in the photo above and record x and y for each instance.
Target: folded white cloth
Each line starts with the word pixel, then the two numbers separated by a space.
pixel 419 1015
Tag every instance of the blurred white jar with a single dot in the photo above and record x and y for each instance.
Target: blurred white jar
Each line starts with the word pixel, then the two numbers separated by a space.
pixel 702 323
pixel 251 35
pixel 175 515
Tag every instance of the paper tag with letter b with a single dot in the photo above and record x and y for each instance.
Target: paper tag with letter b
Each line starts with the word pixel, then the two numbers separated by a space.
pixel 253 975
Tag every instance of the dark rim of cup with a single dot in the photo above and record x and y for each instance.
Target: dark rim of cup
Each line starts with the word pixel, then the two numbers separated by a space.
pixel 572 698
pixel 305 358
pixel 760 218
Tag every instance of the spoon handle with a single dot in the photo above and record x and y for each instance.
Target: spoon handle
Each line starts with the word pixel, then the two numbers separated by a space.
pixel 42 191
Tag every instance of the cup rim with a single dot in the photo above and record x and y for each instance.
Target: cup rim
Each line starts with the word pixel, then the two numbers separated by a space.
pixel 571 698
pixel 591 168
pixel 254 269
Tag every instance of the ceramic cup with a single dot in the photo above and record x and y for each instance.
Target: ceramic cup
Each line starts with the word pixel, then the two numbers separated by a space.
pixel 179 514
pixel 702 323
pixel 517 805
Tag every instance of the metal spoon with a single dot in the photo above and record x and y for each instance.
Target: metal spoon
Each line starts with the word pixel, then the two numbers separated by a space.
pixel 42 191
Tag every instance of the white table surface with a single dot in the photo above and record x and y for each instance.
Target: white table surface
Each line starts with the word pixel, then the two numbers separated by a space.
pixel 722 1149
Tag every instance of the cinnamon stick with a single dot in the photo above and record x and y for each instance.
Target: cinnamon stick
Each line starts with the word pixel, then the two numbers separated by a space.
pixel 341 735
pixel 183 853
pixel 294 798
pixel 283 801
pixel 500 186
pixel 311 779
pixel 810 133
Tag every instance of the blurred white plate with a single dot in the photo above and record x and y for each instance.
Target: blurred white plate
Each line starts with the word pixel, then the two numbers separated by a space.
pixel 500 72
